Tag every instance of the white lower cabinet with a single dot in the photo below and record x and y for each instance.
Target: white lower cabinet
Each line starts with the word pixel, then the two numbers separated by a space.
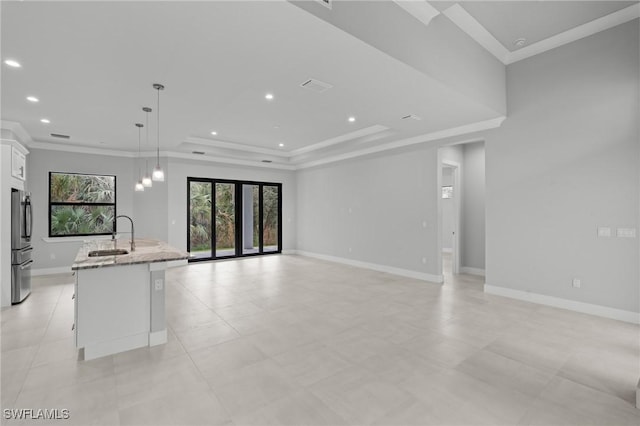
pixel 112 309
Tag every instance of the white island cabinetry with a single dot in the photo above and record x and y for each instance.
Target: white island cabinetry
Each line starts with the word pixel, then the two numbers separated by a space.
pixel 120 299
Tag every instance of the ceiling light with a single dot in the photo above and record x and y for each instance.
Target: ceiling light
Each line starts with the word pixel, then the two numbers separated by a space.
pixel 146 179
pixel 520 42
pixel 268 96
pixel 139 187
pixel 158 173
pixel 352 119
pixel 12 63
pixel 281 145
pixel 214 133
pixel 45 120
pixel 32 99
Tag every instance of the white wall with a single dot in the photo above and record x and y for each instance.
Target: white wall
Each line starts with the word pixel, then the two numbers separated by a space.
pixel 179 170
pixel 372 209
pixel 564 162
pixel 62 252
pixel 150 207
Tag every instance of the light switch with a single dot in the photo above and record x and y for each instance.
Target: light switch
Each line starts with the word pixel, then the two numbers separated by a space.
pixel 626 232
pixel 604 232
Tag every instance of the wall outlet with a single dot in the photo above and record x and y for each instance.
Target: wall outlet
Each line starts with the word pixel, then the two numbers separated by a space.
pixel 52 256
pixel 350 250
pixel 424 260
pixel 576 283
pixel 158 284
pixel 626 232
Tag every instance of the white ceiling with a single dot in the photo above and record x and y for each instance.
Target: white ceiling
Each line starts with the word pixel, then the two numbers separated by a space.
pixel 535 21
pixel 92 65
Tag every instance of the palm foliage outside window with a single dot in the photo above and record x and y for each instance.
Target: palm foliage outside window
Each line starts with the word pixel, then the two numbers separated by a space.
pixel 81 204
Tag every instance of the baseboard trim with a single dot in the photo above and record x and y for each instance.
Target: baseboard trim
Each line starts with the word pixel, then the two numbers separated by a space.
pixel 572 305
pixel 51 271
pixel 472 271
pixel 375 267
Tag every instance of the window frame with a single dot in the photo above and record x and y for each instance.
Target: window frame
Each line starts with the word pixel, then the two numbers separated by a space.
pixel 58 203
pixel 238 217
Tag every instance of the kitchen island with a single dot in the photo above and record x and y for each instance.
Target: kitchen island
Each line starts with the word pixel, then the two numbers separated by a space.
pixel 120 299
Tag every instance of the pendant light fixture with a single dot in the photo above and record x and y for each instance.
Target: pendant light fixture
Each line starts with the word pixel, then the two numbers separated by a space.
pixel 139 186
pixel 158 173
pixel 146 179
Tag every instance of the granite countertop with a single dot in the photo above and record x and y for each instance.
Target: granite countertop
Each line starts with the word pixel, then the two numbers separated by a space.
pixel 147 251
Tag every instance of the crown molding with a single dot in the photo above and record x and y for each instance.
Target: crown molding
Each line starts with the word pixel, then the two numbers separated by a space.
pixel 604 23
pixel 419 9
pixel 17 129
pixel 236 146
pixel 467 23
pixel 365 131
pixel 427 137
pixel 226 160
pixel 81 149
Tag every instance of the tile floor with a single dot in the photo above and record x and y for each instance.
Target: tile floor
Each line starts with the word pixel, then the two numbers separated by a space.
pixel 296 341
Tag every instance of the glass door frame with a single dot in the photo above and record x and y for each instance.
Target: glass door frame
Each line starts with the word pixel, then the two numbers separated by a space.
pixel 238 225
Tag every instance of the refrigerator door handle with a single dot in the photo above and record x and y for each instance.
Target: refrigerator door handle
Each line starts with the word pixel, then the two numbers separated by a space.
pixel 26 250
pixel 26 264
pixel 28 217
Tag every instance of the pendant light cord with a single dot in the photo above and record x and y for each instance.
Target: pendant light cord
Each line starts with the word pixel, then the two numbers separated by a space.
pixel 158 127
pixel 139 162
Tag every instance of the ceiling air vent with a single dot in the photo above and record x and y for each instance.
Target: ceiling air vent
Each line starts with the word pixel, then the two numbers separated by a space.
pixel 411 117
pixel 326 3
pixel 58 135
pixel 316 85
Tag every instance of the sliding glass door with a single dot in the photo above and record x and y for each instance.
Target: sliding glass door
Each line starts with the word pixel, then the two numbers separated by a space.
pixel 200 237
pixel 238 218
pixel 225 219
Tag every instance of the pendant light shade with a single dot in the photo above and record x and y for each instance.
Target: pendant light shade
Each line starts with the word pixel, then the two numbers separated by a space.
pixel 139 187
pixel 146 179
pixel 158 173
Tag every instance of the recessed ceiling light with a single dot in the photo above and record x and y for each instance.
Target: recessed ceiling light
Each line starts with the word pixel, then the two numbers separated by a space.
pixel 214 133
pixel 280 145
pixel 12 63
pixel 45 120
pixel 352 119
pixel 32 99
pixel 268 96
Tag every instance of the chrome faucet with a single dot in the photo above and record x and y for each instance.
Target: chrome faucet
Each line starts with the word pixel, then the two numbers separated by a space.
pixel 113 236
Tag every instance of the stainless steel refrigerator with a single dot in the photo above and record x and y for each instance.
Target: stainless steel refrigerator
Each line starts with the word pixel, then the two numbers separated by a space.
pixel 21 227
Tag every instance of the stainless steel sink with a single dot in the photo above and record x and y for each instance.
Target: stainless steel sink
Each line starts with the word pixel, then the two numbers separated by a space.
pixel 108 252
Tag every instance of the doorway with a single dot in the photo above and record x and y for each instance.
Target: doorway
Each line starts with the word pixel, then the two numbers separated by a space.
pixel 450 222
pixel 228 218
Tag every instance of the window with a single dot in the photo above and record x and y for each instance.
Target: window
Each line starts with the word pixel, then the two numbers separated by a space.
pixel 447 192
pixel 229 218
pixel 81 204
